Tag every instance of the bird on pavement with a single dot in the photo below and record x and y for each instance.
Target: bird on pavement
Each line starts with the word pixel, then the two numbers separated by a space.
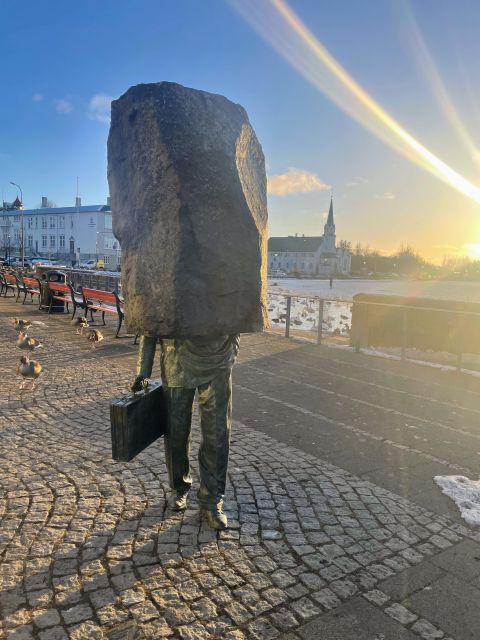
pixel 80 323
pixel 30 370
pixel 93 335
pixel 25 342
pixel 20 325
pixel 23 325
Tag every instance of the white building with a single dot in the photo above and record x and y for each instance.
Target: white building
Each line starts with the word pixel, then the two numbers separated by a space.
pixel 68 234
pixel 311 254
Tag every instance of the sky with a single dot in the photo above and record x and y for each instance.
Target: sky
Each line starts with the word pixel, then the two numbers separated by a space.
pixel 64 60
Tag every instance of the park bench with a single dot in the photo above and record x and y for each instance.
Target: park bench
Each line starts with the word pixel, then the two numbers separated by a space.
pixel 105 302
pixel 29 286
pixel 65 293
pixel 9 282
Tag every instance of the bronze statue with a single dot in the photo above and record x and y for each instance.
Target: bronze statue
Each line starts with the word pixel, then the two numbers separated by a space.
pixel 203 365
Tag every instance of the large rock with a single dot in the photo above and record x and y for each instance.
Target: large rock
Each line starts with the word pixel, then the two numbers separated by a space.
pixel 188 197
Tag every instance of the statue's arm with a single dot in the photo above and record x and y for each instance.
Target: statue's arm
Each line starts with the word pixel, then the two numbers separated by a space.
pixel 146 355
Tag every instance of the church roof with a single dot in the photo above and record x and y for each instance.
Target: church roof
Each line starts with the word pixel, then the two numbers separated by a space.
pixel 295 244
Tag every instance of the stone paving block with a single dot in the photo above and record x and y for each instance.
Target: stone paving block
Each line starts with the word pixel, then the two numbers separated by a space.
pixel 53 633
pixel 25 632
pixel 426 630
pixel 400 613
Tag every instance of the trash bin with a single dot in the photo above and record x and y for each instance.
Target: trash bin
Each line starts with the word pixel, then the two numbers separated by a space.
pixel 45 294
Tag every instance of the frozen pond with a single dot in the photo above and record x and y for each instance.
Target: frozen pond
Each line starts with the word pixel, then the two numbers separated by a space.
pixel 346 289
pixel 337 314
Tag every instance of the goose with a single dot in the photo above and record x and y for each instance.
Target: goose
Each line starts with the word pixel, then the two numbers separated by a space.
pixel 93 335
pixel 80 323
pixel 25 342
pixel 30 370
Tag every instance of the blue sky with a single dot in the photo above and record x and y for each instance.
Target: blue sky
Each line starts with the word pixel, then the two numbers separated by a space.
pixel 59 55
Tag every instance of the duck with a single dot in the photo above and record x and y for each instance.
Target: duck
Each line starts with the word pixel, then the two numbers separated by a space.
pixel 93 335
pixel 30 370
pixel 21 325
pixel 80 323
pixel 25 342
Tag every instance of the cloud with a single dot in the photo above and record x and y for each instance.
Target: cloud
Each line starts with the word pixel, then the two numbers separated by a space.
pixel 321 214
pixel 388 195
pixel 295 181
pixel 356 181
pixel 37 97
pixel 99 107
pixel 63 106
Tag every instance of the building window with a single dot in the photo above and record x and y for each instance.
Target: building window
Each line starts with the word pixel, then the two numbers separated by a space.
pixel 44 222
pixel 108 221
pixel 52 242
pixel 44 242
pixel 16 218
pixel 106 259
pixel 29 242
pixel 62 242
pixel 36 222
pixel 71 222
pixel 29 223
pixel 92 221
pixel 52 222
pixel 61 222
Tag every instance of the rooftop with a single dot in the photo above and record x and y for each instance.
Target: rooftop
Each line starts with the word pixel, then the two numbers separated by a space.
pixel 295 243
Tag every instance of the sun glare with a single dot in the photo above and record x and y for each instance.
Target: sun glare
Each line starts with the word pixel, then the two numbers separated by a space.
pixel 278 24
pixel 472 250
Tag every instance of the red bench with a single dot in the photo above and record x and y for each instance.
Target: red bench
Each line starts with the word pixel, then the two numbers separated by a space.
pixel 66 294
pixel 31 286
pixel 10 282
pixel 104 301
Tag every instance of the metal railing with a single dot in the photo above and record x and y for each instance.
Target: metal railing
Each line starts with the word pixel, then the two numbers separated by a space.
pixel 108 281
pixel 316 314
pixel 358 335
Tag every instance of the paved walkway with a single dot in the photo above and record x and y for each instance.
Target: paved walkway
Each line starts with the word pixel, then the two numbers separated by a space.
pixel 330 481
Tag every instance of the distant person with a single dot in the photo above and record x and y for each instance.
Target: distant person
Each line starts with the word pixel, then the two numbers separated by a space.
pixel 331 282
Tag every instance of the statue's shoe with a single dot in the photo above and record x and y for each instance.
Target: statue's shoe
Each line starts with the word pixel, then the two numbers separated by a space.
pixel 178 501
pixel 215 518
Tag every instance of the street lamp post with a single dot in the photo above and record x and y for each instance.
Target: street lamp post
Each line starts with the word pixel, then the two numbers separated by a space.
pixel 21 221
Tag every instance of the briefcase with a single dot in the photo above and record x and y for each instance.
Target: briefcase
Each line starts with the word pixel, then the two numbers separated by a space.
pixel 137 420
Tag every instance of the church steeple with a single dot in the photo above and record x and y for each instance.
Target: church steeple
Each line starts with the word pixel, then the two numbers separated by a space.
pixel 329 240
pixel 330 222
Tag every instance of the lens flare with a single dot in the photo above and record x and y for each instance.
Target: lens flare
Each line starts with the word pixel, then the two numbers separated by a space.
pixel 433 78
pixel 275 21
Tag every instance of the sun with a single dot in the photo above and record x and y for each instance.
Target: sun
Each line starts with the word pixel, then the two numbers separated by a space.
pixel 473 250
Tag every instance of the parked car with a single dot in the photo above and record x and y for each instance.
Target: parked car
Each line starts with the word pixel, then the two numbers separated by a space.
pixel 17 262
pixel 35 261
pixel 92 264
pixel 45 262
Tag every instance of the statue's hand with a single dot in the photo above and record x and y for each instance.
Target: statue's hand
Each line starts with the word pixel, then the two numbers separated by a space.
pixel 139 384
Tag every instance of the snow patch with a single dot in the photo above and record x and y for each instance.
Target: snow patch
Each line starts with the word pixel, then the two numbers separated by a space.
pixel 465 493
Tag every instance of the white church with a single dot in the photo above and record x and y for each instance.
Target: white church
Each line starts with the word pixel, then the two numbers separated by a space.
pixel 310 254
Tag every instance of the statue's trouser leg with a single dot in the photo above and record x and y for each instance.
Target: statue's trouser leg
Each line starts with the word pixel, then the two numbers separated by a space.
pixel 178 438
pixel 215 408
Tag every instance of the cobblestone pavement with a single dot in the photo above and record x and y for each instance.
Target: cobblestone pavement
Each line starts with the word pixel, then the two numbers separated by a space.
pixel 89 548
